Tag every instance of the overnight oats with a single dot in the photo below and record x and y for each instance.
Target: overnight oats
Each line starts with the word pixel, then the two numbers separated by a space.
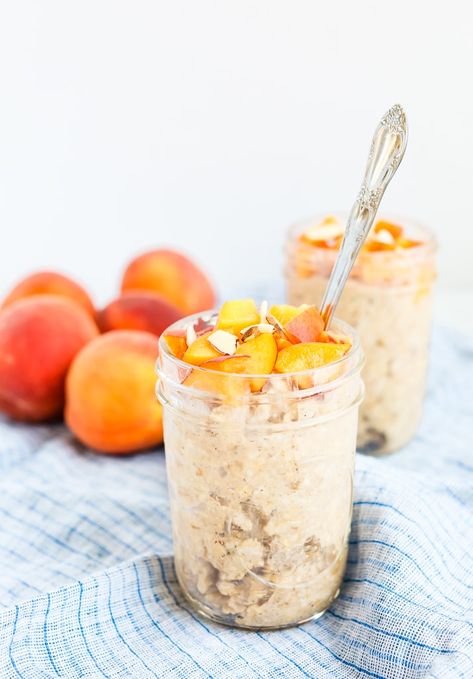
pixel 388 299
pixel 260 421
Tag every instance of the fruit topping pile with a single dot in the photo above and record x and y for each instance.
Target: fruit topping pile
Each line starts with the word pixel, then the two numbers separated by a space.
pixel 250 341
pixel 328 234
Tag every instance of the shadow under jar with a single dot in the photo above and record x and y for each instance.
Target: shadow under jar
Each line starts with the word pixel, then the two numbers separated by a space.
pixel 260 474
pixel 388 299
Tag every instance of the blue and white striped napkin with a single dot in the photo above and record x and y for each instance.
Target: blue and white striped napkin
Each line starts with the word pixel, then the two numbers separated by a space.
pixel 87 586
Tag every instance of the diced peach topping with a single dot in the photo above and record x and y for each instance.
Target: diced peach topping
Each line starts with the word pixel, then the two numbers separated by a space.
pixel 384 236
pixel 258 356
pixel 200 351
pixel 238 314
pixel 255 343
pixel 308 355
pixel 177 344
pixel 306 326
pixel 217 384
pixel 395 230
pixel 284 312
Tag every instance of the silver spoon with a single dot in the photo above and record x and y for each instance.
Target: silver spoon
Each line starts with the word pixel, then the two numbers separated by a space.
pixel 386 152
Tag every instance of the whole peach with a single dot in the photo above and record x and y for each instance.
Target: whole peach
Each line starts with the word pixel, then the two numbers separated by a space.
pixel 172 275
pixel 140 310
pixel 50 283
pixel 39 337
pixel 110 393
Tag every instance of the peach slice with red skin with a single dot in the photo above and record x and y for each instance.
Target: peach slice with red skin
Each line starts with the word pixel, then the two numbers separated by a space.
pixel 306 326
pixel 308 356
pixel 284 313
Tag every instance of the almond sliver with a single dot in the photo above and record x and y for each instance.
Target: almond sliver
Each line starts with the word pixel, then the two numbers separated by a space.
pixel 223 341
pixel 190 334
pixel 324 232
pixel 262 327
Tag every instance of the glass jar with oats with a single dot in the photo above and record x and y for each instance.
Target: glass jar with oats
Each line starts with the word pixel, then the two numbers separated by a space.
pixel 388 299
pixel 260 432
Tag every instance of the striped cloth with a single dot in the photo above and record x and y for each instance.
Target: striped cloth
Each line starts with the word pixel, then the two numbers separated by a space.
pixel 87 586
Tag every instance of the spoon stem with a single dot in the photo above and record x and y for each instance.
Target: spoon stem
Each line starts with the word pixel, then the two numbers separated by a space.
pixel 386 152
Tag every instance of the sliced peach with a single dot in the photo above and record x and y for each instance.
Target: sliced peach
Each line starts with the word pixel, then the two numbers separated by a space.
pixel 177 344
pixel 237 314
pixel 229 386
pixel 332 337
pixel 306 326
pixel 378 246
pixel 257 357
pixel 284 313
pixel 308 355
pixel 408 243
pixel 200 351
pixel 282 342
pixel 395 230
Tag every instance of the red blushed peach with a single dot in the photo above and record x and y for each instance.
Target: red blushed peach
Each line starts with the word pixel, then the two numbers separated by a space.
pixel 110 393
pixel 172 275
pixel 142 310
pixel 50 283
pixel 306 326
pixel 39 337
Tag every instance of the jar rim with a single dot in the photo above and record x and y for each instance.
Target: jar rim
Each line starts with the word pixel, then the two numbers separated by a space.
pixel 354 354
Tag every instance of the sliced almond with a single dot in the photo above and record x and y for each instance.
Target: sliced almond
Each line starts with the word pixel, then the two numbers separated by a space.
pixel 257 329
pixel 223 341
pixel 384 236
pixel 324 232
pixel 263 311
pixel 190 334
pixel 274 322
pixel 278 327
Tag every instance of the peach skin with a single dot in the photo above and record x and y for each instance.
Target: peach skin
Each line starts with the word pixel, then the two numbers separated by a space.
pixel 306 326
pixel 50 283
pixel 39 337
pixel 110 393
pixel 172 275
pixel 141 310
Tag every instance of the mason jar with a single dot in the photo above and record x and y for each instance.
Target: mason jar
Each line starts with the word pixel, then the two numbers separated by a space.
pixel 388 299
pixel 260 474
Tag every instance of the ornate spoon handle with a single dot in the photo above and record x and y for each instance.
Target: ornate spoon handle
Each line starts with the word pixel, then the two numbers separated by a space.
pixel 386 152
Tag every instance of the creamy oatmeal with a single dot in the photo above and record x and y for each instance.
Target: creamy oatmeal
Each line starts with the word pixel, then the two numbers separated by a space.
pixel 388 299
pixel 260 476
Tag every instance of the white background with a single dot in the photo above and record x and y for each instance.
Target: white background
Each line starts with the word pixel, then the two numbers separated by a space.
pixel 212 125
